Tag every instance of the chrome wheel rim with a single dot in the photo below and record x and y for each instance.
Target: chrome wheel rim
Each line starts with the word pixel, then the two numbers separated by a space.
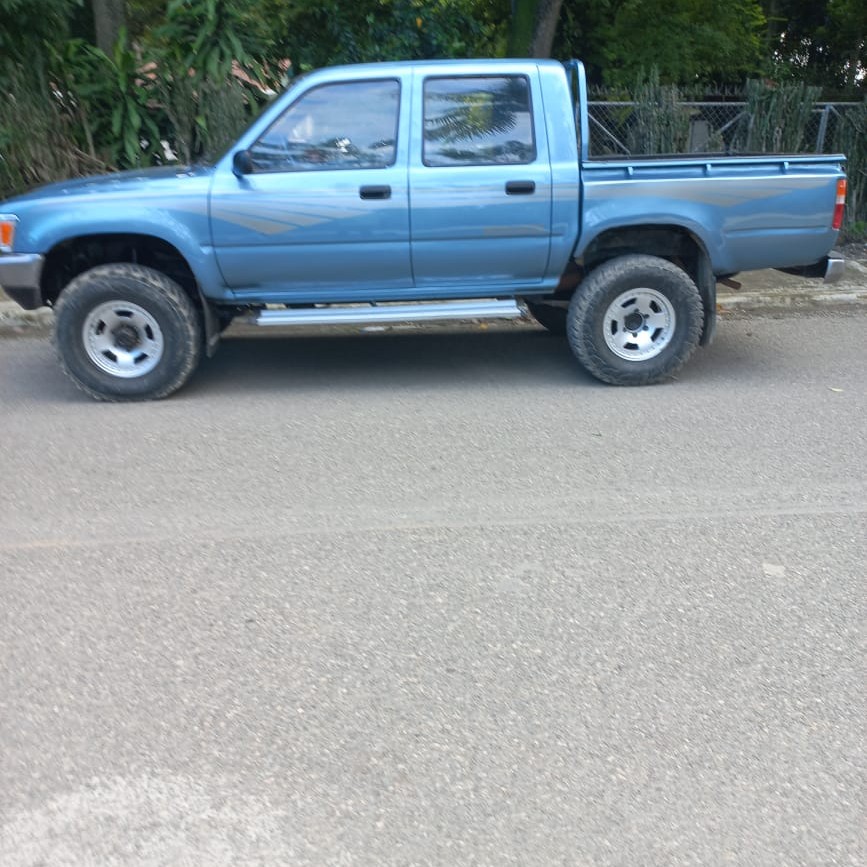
pixel 639 324
pixel 123 339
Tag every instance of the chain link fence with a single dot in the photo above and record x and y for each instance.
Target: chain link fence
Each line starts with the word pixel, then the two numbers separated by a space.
pixel 670 126
pixel 624 128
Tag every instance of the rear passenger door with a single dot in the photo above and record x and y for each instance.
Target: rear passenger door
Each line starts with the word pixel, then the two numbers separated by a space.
pixel 480 181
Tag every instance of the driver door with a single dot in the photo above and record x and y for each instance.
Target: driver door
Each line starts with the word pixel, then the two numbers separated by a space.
pixel 326 206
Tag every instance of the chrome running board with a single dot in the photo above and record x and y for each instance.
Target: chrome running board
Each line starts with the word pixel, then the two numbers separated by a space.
pixel 421 312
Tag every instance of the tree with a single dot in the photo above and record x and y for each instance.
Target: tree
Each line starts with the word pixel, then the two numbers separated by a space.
pixel 25 24
pixel 688 41
pixel 109 17
pixel 326 32
pixel 818 41
pixel 848 38
pixel 533 26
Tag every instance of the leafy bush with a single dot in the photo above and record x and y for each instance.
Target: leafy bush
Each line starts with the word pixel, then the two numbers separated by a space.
pixel 195 54
pixel 110 100
pixel 77 110
pixel 204 116
pixel 42 138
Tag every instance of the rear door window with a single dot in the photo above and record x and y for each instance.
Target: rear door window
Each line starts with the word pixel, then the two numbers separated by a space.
pixel 478 121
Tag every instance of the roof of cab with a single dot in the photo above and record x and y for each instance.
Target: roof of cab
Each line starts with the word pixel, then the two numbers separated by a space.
pixel 503 64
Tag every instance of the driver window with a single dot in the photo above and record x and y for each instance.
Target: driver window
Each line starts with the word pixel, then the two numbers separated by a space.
pixel 352 125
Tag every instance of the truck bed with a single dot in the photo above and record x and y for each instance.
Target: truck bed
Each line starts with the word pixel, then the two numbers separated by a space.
pixel 757 211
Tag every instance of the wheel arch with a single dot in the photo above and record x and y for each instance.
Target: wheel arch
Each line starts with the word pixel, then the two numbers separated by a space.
pixel 75 255
pixel 675 243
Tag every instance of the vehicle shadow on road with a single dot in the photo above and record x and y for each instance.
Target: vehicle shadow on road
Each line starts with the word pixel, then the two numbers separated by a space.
pixel 517 357
pixel 514 357
pixel 395 359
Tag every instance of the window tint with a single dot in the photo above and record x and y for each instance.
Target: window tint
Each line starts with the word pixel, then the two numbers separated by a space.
pixel 478 121
pixel 335 126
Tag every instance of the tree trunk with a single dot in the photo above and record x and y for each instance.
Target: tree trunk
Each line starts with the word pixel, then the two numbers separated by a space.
pixel 534 25
pixel 547 16
pixel 108 18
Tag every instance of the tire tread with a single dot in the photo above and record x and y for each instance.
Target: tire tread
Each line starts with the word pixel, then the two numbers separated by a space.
pixel 74 299
pixel 585 306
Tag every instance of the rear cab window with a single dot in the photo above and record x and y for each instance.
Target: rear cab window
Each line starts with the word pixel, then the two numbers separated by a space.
pixel 478 120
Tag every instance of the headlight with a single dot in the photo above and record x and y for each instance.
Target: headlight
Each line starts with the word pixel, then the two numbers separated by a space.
pixel 8 222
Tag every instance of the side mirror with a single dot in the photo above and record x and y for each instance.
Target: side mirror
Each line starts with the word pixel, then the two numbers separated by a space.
pixel 242 163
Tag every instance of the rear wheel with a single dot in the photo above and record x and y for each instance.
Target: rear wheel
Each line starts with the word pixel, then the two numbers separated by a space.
pixel 126 332
pixel 635 320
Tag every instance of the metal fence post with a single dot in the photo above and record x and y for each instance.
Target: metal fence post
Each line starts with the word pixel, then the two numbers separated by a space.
pixel 823 128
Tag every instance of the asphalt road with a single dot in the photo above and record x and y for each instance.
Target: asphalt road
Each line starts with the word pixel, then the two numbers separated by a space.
pixel 439 598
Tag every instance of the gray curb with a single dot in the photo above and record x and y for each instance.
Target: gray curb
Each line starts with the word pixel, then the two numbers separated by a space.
pixel 841 298
pixel 15 321
pixel 765 293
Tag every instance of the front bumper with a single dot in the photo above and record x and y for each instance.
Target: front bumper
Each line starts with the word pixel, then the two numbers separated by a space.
pixel 832 268
pixel 20 275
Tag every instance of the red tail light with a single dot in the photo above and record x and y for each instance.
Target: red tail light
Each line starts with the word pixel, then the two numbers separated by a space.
pixel 839 204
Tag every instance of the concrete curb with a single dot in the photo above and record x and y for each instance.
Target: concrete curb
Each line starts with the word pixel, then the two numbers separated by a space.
pixel 840 297
pixel 15 321
pixel 764 292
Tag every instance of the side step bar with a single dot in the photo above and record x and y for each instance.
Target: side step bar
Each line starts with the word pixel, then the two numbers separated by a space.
pixel 421 312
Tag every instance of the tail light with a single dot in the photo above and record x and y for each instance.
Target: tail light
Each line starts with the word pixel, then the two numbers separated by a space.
pixel 839 204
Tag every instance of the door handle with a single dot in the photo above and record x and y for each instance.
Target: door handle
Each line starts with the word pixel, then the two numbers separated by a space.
pixel 374 191
pixel 520 188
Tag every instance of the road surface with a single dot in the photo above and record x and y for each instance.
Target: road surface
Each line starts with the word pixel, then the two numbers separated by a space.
pixel 438 598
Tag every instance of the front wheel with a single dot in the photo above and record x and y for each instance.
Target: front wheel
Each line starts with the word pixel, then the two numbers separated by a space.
pixel 635 320
pixel 126 332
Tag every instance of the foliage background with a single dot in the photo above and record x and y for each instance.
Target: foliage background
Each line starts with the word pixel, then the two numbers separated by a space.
pixel 100 85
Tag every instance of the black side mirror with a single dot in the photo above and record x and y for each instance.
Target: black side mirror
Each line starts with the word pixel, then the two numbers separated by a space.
pixel 242 163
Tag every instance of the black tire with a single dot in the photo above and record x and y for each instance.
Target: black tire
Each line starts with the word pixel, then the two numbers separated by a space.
pixel 664 340
pixel 162 341
pixel 549 317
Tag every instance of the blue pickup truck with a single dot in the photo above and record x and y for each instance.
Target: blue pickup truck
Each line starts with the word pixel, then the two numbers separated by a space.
pixel 412 192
